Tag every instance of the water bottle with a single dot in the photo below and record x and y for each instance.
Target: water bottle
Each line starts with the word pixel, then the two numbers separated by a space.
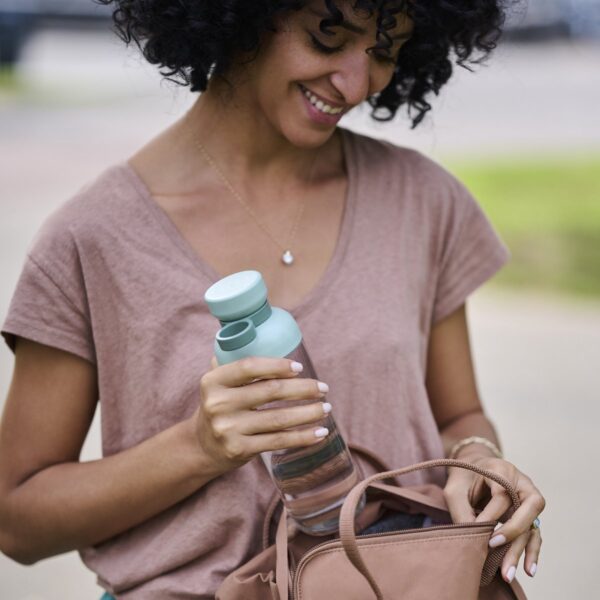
pixel 314 480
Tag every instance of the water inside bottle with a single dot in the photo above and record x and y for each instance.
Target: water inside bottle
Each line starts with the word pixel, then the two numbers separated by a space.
pixel 314 480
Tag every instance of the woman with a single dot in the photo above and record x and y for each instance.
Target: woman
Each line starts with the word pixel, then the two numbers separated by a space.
pixel 373 247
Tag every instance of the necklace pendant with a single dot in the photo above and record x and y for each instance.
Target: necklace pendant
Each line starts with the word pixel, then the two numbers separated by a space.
pixel 287 258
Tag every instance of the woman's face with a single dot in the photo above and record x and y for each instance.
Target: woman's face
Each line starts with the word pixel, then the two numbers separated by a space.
pixel 302 80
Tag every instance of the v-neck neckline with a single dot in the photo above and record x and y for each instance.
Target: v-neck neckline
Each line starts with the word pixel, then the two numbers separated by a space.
pixel 333 268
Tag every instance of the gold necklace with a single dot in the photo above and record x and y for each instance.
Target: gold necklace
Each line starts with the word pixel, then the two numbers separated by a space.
pixel 287 257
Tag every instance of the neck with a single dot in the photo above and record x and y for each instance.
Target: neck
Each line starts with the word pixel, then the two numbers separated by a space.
pixel 258 160
pixel 246 146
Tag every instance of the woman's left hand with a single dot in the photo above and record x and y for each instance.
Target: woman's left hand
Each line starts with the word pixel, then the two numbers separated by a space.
pixel 466 489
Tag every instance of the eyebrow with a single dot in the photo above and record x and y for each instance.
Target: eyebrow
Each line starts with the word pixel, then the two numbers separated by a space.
pixel 356 29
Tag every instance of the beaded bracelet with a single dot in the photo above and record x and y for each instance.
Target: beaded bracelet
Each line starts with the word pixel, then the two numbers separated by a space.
pixel 475 439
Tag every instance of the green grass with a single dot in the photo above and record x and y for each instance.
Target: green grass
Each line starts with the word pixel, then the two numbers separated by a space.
pixel 9 82
pixel 548 213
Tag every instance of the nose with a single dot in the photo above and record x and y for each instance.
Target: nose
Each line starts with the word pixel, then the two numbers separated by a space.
pixel 356 77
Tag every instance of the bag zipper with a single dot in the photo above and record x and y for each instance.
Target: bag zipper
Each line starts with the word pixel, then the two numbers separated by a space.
pixel 338 542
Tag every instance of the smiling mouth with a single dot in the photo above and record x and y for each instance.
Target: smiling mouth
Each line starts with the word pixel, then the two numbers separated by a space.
pixel 321 105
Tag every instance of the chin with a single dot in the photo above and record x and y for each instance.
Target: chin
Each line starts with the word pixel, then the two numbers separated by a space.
pixel 305 136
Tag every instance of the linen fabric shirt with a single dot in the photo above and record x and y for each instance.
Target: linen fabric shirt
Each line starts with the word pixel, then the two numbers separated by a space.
pixel 110 278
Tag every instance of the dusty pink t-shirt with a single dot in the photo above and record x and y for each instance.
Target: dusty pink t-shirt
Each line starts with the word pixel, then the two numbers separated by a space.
pixel 109 278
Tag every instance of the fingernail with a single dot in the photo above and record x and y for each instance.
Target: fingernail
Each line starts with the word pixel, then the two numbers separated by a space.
pixel 510 575
pixel 498 525
pixel 533 569
pixel 321 432
pixel 326 407
pixel 497 541
pixel 296 367
pixel 323 387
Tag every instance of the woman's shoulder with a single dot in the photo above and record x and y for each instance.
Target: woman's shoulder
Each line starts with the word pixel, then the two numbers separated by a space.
pixel 401 173
pixel 100 205
pixel 410 162
pixel 50 304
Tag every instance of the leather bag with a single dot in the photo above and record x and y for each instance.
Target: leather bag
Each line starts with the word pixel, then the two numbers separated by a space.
pixel 446 562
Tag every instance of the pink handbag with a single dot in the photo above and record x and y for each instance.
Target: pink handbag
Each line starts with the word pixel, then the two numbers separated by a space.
pixel 444 562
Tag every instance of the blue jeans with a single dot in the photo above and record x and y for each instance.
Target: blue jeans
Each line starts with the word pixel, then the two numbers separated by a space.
pixel 394 521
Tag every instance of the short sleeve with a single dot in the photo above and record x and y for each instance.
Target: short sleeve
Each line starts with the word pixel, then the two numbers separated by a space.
pixel 471 254
pixel 49 303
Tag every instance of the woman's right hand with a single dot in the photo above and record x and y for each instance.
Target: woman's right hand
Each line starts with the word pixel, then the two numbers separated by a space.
pixel 229 427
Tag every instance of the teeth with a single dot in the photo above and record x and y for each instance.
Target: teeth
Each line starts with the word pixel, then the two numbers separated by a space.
pixel 320 105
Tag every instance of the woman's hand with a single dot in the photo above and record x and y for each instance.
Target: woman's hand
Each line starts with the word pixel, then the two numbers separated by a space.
pixel 229 427
pixel 466 489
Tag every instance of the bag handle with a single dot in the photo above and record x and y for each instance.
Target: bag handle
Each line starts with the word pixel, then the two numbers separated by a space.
pixel 348 534
pixel 283 577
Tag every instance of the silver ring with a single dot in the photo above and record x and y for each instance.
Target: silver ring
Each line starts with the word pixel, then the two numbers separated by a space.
pixel 536 523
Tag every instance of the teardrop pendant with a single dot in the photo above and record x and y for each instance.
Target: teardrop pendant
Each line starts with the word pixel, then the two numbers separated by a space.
pixel 287 258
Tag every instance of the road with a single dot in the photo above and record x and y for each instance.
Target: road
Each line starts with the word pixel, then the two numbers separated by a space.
pixel 86 102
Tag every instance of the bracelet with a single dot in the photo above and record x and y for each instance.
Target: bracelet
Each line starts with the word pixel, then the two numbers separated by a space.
pixel 475 439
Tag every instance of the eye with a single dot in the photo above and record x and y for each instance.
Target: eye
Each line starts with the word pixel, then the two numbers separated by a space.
pixel 322 47
pixel 385 58
pixel 380 56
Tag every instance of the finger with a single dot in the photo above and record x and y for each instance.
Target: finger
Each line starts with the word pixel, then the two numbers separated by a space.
pixel 499 503
pixel 512 556
pixel 267 421
pixel 265 392
pixel 213 362
pixel 532 552
pixel 249 369
pixel 521 521
pixel 457 500
pixel 221 402
pixel 265 442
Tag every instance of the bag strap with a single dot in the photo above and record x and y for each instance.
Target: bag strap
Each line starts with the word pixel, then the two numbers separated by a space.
pixel 283 577
pixel 370 456
pixel 347 526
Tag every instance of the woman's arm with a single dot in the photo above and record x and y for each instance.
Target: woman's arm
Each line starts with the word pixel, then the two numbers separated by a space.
pixel 456 407
pixel 452 387
pixel 49 502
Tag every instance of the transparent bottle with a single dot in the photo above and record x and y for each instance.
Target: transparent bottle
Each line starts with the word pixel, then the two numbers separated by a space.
pixel 314 480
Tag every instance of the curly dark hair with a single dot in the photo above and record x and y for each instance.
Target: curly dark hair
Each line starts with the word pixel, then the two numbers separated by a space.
pixel 193 40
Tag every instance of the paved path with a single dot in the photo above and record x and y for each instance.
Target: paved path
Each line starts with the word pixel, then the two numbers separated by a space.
pixel 536 357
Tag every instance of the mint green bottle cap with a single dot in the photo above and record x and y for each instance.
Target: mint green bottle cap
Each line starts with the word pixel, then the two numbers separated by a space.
pixel 236 296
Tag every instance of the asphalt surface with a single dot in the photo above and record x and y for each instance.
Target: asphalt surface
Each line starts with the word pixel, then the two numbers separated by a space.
pixel 86 103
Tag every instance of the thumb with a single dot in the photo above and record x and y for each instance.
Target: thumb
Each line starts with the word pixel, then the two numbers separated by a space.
pixel 457 499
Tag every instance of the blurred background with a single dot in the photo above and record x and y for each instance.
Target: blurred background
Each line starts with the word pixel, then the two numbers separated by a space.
pixel 523 132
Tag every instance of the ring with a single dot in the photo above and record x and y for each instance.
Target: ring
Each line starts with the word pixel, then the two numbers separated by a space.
pixel 536 523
